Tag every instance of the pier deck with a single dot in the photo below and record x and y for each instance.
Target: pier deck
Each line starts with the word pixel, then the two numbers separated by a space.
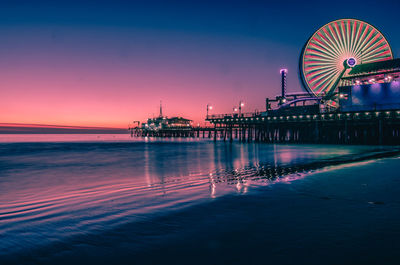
pixel 377 127
pixel 367 127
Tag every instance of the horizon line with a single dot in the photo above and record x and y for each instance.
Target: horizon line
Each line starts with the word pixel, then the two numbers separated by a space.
pixel 38 125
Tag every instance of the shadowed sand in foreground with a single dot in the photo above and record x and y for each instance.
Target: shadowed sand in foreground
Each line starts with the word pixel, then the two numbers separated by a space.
pixel 341 209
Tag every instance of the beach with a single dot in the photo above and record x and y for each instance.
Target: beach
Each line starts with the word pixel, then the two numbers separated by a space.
pixel 110 199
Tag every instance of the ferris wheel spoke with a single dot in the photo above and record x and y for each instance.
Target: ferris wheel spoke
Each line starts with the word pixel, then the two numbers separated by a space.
pixel 324 84
pixel 321 54
pixel 319 68
pixel 376 58
pixel 327 49
pixel 318 75
pixel 322 60
pixel 376 48
pixel 353 35
pixel 334 37
pixel 372 39
pixel 321 48
pixel 333 48
pixel 349 35
pixel 365 41
pixel 313 60
pixel 362 52
pixel 361 38
pixel 327 74
pixel 358 32
pixel 321 76
pixel 343 34
pixel 328 33
pixel 339 38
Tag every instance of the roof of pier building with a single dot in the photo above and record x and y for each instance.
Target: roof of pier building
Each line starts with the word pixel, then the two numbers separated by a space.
pixel 381 67
pixel 377 72
pixel 178 119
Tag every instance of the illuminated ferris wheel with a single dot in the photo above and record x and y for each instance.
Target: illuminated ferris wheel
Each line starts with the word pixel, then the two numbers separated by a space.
pixel 336 47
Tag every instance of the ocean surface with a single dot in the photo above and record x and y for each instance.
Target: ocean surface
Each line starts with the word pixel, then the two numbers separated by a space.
pixel 113 199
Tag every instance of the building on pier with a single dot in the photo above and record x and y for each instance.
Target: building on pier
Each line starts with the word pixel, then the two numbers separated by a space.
pixel 372 86
pixel 164 123
pixel 167 123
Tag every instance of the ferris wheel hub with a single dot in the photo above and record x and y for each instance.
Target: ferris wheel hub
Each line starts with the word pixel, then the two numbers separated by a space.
pixel 351 62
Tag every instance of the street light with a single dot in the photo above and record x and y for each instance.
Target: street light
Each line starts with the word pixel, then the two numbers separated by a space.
pixel 208 108
pixel 234 110
pixel 241 104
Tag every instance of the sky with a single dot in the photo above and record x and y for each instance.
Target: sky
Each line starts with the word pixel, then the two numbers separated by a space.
pixel 108 63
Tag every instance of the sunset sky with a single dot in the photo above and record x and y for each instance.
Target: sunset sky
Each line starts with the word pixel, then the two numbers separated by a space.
pixel 107 63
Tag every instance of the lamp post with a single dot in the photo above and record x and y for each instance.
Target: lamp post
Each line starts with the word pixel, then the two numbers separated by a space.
pixel 241 104
pixel 234 110
pixel 208 108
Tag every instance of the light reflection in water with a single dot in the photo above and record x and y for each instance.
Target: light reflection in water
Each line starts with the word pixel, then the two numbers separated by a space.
pixel 56 190
pixel 212 186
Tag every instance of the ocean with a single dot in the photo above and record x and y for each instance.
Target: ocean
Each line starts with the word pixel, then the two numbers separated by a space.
pixel 113 199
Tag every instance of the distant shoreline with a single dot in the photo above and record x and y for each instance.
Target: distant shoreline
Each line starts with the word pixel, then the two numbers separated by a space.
pixel 59 130
pixel 69 132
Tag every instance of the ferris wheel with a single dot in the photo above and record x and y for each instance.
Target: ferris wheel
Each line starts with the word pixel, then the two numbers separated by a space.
pixel 336 47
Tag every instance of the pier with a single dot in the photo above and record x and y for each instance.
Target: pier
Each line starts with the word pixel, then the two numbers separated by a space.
pixel 378 128
pixel 366 127
pixel 194 132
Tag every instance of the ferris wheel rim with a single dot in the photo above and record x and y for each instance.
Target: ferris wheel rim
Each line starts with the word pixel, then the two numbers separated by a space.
pixel 302 71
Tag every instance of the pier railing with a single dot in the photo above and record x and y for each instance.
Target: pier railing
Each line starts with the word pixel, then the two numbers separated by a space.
pixel 233 115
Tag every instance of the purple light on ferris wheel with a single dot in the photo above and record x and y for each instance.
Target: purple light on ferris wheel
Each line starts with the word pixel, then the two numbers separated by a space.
pixel 351 62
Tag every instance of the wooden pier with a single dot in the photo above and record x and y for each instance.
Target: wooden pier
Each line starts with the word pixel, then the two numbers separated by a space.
pixel 194 132
pixel 378 128
pixel 372 128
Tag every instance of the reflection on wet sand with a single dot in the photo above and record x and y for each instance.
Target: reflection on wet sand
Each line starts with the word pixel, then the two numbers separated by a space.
pixel 61 190
pixel 242 171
